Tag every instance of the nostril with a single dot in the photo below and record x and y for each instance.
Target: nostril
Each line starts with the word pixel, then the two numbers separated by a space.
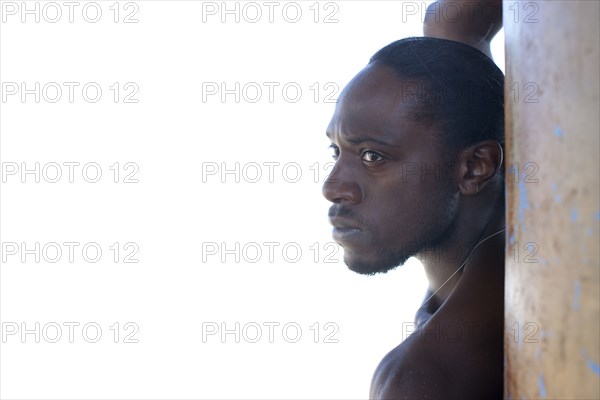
pixel 336 191
pixel 328 191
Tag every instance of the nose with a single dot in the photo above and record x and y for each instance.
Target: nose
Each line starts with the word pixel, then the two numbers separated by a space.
pixel 341 187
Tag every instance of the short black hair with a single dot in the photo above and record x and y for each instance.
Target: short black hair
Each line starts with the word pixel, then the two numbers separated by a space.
pixel 454 87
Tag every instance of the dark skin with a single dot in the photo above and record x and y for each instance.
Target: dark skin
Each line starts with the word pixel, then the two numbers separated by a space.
pixel 477 24
pixel 386 208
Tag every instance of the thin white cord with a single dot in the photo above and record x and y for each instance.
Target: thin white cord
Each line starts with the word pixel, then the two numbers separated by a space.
pixel 463 264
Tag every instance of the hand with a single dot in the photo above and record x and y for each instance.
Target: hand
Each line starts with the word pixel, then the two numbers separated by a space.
pixel 473 22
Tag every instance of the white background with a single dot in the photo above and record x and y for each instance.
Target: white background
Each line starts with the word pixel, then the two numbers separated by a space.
pixel 178 214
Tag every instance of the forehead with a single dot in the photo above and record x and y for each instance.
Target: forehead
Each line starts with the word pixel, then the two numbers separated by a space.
pixel 375 102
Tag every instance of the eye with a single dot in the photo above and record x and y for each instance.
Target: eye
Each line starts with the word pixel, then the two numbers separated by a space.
pixel 336 151
pixel 371 156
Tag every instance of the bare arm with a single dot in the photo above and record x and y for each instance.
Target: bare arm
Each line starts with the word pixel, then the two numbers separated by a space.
pixel 473 22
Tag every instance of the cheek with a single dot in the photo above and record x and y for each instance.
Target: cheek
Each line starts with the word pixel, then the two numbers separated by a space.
pixel 399 196
pixel 393 209
pixel 401 210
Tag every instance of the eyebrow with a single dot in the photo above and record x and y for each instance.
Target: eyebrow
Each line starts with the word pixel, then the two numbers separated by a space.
pixel 363 139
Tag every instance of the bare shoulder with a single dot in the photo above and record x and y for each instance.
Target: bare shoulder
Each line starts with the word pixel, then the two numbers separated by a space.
pixel 409 371
pixel 425 366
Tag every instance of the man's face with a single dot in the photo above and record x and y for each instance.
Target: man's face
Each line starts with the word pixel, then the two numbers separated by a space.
pixel 392 191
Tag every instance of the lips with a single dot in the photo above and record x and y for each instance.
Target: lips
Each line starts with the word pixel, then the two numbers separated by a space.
pixel 346 231
pixel 346 235
pixel 343 223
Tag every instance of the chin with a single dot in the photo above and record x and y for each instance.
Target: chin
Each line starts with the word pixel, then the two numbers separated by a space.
pixel 377 265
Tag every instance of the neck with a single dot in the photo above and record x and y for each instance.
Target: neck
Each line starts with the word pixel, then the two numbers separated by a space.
pixel 473 226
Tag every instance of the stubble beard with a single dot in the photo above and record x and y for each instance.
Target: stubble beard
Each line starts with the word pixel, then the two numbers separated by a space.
pixel 429 240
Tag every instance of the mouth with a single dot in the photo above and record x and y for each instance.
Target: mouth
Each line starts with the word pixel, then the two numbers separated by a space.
pixel 346 235
pixel 345 231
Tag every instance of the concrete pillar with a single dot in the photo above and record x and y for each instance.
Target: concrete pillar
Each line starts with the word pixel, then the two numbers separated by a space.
pixel 553 142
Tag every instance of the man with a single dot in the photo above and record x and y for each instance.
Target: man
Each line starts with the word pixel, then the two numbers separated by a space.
pixel 417 137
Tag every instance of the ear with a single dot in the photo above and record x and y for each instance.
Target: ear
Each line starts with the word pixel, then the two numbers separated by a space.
pixel 479 165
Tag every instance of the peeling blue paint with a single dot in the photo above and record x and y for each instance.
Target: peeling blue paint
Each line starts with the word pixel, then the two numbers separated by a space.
pixel 593 366
pixel 597 215
pixel 576 295
pixel 559 132
pixel 523 202
pixel 542 386
pixel 546 334
pixel 512 240
pixel 558 198
pixel 574 214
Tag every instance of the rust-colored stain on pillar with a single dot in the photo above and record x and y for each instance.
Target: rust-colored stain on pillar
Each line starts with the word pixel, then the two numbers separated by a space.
pixel 552 334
